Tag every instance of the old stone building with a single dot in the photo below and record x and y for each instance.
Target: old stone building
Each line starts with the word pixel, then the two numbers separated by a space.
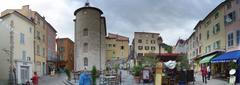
pixel 90 32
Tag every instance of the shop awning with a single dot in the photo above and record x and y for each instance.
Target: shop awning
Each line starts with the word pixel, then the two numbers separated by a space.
pixel 207 59
pixel 226 57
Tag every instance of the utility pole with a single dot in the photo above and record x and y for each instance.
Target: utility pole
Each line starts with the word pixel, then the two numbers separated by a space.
pixel 12 75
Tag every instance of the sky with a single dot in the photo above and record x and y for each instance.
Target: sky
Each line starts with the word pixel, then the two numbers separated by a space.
pixel 173 19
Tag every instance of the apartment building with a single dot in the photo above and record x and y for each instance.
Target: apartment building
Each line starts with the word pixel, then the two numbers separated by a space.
pixel 180 47
pixel 51 48
pixel 22 47
pixel 145 43
pixel 117 48
pixel 40 37
pixel 232 24
pixel 65 53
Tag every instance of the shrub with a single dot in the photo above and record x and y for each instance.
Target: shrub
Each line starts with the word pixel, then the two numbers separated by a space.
pixel 68 73
pixel 94 74
pixel 137 70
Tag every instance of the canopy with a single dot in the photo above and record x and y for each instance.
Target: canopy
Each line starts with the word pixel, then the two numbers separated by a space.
pixel 207 59
pixel 226 57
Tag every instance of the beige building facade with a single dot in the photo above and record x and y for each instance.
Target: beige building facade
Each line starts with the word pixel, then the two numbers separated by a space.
pixel 23 47
pixel 145 43
pixel 40 37
pixel 117 47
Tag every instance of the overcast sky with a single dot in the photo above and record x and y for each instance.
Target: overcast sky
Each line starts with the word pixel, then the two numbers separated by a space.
pixel 173 19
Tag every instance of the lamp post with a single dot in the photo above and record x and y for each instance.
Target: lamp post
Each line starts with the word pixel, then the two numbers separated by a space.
pixel 12 70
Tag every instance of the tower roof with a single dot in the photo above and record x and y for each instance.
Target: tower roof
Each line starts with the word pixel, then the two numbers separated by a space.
pixel 87 6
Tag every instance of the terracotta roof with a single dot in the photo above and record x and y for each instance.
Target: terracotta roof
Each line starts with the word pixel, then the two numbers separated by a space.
pixel 118 37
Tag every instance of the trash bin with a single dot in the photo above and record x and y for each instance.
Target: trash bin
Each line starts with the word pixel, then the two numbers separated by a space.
pixel 181 83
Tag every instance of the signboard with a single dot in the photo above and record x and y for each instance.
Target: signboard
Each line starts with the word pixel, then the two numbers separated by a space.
pixel 146 74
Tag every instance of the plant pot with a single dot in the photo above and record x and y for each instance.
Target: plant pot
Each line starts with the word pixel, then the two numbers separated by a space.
pixel 137 79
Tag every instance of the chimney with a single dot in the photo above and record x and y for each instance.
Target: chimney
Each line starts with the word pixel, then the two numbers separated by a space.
pixel 25 7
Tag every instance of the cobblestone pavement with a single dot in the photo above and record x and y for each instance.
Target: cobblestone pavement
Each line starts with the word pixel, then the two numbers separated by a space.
pixel 198 81
pixel 52 80
pixel 128 79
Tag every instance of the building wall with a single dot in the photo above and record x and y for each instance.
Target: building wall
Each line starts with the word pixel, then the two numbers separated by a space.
pixel 65 52
pixel 4 57
pixel 146 41
pixel 40 39
pixel 219 36
pixel 91 19
pixel 51 50
pixel 234 26
pixel 114 50
pixel 25 27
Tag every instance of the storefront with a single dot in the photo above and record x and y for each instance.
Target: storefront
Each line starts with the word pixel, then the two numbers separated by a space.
pixel 227 61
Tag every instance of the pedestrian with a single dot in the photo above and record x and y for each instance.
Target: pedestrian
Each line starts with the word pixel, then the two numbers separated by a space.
pixel 85 78
pixel 204 73
pixel 35 79
pixel 209 72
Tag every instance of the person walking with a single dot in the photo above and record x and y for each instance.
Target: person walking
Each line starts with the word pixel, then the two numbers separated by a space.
pixel 208 72
pixel 85 78
pixel 204 73
pixel 35 79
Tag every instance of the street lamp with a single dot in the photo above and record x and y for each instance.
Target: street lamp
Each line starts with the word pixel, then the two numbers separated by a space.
pixel 12 71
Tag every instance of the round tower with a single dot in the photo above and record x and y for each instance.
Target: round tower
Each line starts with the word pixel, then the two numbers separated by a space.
pixel 89 38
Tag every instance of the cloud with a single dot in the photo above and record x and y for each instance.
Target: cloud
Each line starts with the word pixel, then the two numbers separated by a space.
pixel 173 19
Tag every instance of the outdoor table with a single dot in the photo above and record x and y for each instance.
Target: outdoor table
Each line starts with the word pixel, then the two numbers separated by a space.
pixel 108 78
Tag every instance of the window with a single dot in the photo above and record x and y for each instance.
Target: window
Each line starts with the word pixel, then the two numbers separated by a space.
pixel 216 15
pixel 153 48
pixel 85 32
pixel 231 17
pixel 38 35
pixel 230 39
pixel 208 34
pixel 140 47
pixel 85 47
pixel 209 48
pixel 146 47
pixel 24 58
pixel 43 38
pixel 85 61
pixel 61 49
pixel 38 50
pixel 109 45
pixel 218 45
pixel 139 41
pixel 228 5
pixel 208 23
pixel 152 41
pixel 43 49
pixel 21 38
pixel 200 36
pixel 122 47
pixel 238 37
pixel 30 29
pixel 61 58
pixel 216 28
pixel 114 45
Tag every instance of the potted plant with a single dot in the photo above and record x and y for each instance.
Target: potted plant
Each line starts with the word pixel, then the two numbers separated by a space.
pixel 136 73
pixel 94 74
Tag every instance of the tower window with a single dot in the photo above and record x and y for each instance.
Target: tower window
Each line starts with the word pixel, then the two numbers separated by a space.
pixel 85 61
pixel 85 47
pixel 85 32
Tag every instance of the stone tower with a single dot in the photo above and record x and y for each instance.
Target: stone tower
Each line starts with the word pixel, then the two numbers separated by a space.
pixel 90 32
